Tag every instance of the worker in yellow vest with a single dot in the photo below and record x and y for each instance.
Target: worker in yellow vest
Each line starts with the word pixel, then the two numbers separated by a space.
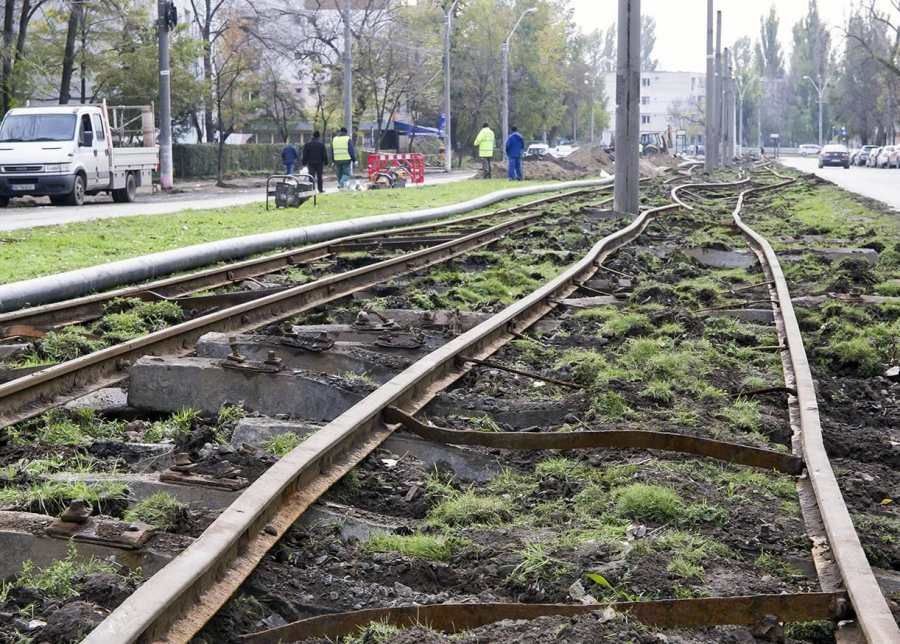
pixel 485 144
pixel 343 155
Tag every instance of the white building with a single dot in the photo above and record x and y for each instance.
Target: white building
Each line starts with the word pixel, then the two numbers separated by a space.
pixel 659 92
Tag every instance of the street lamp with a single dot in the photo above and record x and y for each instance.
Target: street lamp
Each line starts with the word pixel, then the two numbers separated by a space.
pixel 821 93
pixel 505 56
pixel 448 143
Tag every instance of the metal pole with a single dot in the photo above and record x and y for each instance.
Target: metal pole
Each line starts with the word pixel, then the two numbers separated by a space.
pixel 593 104
pixel 348 71
pixel 717 159
pixel 448 145
pixel 759 115
pixel 504 55
pixel 821 104
pixel 726 138
pixel 628 115
pixel 709 134
pixel 165 99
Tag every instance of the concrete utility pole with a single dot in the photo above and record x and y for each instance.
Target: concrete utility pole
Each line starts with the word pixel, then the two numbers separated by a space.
pixel 505 60
pixel 448 141
pixel 348 71
pixel 709 135
pixel 628 114
pixel 727 104
pixel 717 158
pixel 165 98
pixel 821 93
pixel 759 117
pixel 740 142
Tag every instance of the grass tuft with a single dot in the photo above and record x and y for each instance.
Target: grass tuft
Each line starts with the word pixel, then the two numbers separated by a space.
pixel 162 511
pixel 418 545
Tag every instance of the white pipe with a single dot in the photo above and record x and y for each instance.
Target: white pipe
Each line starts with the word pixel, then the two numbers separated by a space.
pixel 61 286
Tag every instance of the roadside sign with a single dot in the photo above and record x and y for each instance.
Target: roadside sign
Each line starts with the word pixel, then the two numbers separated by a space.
pixel 680 132
pixel 775 136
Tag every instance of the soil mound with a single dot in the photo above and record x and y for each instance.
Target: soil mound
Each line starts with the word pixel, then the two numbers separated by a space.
pixel 592 158
pixel 540 170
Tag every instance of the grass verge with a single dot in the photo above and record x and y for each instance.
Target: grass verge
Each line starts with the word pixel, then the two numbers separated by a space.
pixel 45 250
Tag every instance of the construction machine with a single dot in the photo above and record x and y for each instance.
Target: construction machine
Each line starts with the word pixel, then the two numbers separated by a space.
pixel 658 142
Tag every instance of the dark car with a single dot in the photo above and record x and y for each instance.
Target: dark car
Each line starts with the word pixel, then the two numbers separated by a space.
pixel 834 155
pixel 863 155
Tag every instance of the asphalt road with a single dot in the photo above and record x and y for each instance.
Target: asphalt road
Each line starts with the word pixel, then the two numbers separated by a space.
pixel 880 184
pixel 99 208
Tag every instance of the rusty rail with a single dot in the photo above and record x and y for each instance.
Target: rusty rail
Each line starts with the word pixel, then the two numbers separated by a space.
pixel 175 604
pixel 663 441
pixel 872 612
pixel 661 613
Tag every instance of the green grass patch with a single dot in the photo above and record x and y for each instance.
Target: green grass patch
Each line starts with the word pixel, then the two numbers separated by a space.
pixel 49 249
pixel 743 415
pixel 58 579
pixel 52 497
pixel 462 508
pixel 283 443
pixel 776 566
pixel 648 502
pixel 162 511
pixel 418 545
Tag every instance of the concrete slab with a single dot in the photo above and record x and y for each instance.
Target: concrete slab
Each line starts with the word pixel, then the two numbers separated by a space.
pixel 140 486
pixel 255 430
pixel 354 523
pixel 109 400
pixel 589 302
pixel 763 316
pixel 170 384
pixel 22 539
pixel 464 464
pixel 339 359
pixel 142 457
pixel 721 258
pixel 10 350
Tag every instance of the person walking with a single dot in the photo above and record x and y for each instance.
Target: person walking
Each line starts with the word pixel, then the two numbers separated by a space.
pixel 514 146
pixel 289 156
pixel 315 158
pixel 485 144
pixel 343 154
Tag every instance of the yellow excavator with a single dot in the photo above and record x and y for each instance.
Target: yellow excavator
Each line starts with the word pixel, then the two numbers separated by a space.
pixel 658 142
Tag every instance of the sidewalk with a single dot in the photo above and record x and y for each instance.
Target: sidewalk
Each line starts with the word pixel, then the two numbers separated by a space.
pixel 17 218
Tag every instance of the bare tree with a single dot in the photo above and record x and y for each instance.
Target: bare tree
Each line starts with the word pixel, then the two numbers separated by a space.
pixel 886 53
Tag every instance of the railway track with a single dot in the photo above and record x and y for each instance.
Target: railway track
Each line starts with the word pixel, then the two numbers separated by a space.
pixel 175 604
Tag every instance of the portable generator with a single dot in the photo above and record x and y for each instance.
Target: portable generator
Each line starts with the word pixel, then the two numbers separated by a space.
pixel 291 190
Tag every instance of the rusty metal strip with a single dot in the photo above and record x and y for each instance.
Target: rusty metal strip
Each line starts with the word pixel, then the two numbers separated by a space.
pixel 203 302
pixel 91 307
pixel 872 611
pixel 21 331
pixel 662 613
pixel 37 392
pixel 667 442
pixel 165 608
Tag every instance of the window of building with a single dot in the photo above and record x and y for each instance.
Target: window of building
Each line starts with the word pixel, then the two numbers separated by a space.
pixel 645 82
pixel 645 100
pixel 645 120
pixel 299 90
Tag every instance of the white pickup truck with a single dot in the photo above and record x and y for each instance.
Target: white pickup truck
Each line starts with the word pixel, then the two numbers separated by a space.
pixel 66 152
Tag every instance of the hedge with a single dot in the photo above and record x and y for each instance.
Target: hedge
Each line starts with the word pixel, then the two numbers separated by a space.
pixel 200 159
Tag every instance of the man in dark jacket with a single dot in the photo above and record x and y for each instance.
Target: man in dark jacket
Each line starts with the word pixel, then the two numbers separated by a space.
pixel 315 158
pixel 515 144
pixel 289 157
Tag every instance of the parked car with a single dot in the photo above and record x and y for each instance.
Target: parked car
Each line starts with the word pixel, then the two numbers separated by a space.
pixel 807 149
pixel 883 158
pixel 853 155
pixel 864 152
pixel 873 158
pixel 894 159
pixel 834 155
pixel 537 150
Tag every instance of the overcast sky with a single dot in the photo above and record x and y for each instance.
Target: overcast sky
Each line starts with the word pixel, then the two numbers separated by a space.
pixel 681 24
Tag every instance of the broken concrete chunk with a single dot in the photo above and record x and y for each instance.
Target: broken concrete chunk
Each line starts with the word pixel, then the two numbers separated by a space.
pixel 171 384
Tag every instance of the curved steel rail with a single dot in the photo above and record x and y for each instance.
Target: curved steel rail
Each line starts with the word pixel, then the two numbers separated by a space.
pixel 175 603
pixel 872 611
